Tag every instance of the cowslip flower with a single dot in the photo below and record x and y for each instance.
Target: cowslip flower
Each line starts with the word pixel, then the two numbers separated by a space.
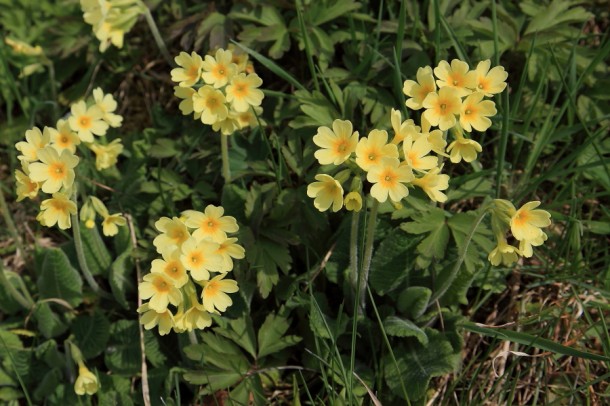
pixel 417 91
pixel 150 319
pixel 200 257
pixel 57 210
pixel 463 148
pixel 189 71
pixel 111 223
pixel 86 121
pixel 171 266
pixel 185 93
pixel 526 246
pixel 486 81
pixel 454 76
pixel 160 289
pixel 54 170
pixel 35 140
pixel 212 224
pixel 106 156
pixel 326 192
pixel 25 186
pixel 210 103
pixel 388 178
pixel 503 253
pixel 247 118
pixel 353 201
pixel 86 382
pixel 219 69
pixel 416 154
pixel 173 233
pixel 432 183
pixel 402 129
pixel 372 149
pixel 243 92
pixel 107 105
pixel 214 294
pixel 227 126
pixel 475 111
pixel 194 317
pixel 63 137
pixel 442 107
pixel 436 138
pixel 337 144
pixel 527 222
pixel 229 250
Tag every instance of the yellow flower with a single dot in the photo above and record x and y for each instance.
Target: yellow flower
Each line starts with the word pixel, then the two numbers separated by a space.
pixel 189 71
pixel 107 106
pixel 247 118
pixel 57 210
pixel 327 191
pixel 108 34
pixel 171 266
pixel 402 129
pixel 432 183
pixel 185 93
pixel 337 144
pixel 110 224
pixel 227 126
pixel 150 318
pixel 64 137
pixel 160 289
pixel 23 48
pixel 195 317
pixel 239 58
pixel 25 186
pixel 417 91
pixel 475 111
pixel 526 223
pixel 442 107
pixel 217 71
pixel 388 179
pixel 86 382
pixel 525 246
pixel 435 137
pixel 211 224
pixel 228 250
pixel 353 201
pixel 455 76
pixel 214 294
pixel 200 258
pixel 106 156
pixel 370 150
pixel 211 104
pixel 463 148
pixel 87 121
pixel 173 233
pixel 488 82
pixel 35 140
pixel 503 253
pixel 243 91
pixel 416 154
pixel 54 170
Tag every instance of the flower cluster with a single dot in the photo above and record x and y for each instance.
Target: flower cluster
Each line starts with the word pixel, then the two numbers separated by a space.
pixel 525 225
pixel 455 100
pixel 48 157
pixel 192 247
pixel 220 90
pixel 111 19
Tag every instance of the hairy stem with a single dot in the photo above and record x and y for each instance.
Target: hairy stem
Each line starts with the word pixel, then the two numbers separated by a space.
pixel 24 301
pixel 157 36
pixel 368 253
pixel 226 169
pixel 353 251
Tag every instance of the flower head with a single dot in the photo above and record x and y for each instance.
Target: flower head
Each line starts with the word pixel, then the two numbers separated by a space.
pixel 402 129
pixel 372 149
pixel 173 233
pixel 160 289
pixel 454 76
pixel 25 186
pixel 64 137
pixel 86 382
pixel 486 81
pixel 218 70
pixel 200 258
pixel 243 91
pixel 107 105
pixel 185 93
pixel 229 249
pixel 416 154
pixel 87 121
pixel 189 71
pixel 106 156
pixel 527 222
pixel 475 111
pixel 326 192
pixel 54 170
pixel 111 223
pixel 150 318
pixel 35 140
pixel 214 294
pixel 57 210
pixel 526 246
pixel 211 224
pixel 463 148
pixel 417 91
pixel 504 254
pixel 171 266
pixel 336 145
pixel 194 317
pixel 388 178
pixel 442 107
pixel 432 183
pixel 211 104
pixel 353 201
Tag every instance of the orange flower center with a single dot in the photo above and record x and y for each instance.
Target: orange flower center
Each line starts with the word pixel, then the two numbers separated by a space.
pixel 195 258
pixel 412 156
pixel 161 285
pixel 85 121
pixel 57 170
pixel 177 235
pixel 193 72
pixel 173 269
pixel 212 102
pixel 210 225
pixel 341 146
pixel 521 218
pixel 220 71
pixel 388 178
pixel 424 90
pixel 240 89
pixel 212 288
pixel 483 84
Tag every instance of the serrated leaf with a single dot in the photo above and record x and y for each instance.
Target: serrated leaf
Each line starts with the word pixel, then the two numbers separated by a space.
pixel 122 356
pixel 50 324
pixel 433 222
pixel 218 351
pixel 97 255
pixel 556 14
pixel 121 278
pixel 242 333
pixel 215 378
pixel 481 244
pixel 58 279
pixel 91 333
pixel 398 327
pixel 271 336
pixel 413 301
pixel 392 261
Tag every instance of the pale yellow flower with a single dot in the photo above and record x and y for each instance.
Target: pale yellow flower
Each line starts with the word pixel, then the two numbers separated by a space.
pixel 57 210
pixel 214 294
pixel 526 223
pixel 35 140
pixel 435 137
pixel 526 246
pixel 106 156
pixel 150 319
pixel 326 192
pixel 442 107
pixel 416 154
pixel 160 289
pixel 195 317
pixel 64 137
pixel 353 201
pixel 54 170
pixel 25 186
pixel 87 121
pixel 185 93
pixel 212 224
pixel 504 254
pixel 229 250
pixel 23 48
pixel 107 105
pixel 227 126
pixel 210 103
pixel 486 81
pixel 171 266
pixel 200 258
pixel 417 91
pixel 111 223
pixel 463 148
pixel 475 111
pixel 455 76
pixel 247 118
pixel 189 71
pixel 243 92
pixel 370 150
pixel 402 129
pixel 173 233
pixel 239 58
pixel 337 144
pixel 389 178
pixel 86 382
pixel 432 183
pixel 219 69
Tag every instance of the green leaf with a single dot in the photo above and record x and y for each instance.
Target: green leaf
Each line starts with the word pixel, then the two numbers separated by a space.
pixel 215 378
pixel 97 255
pixel 48 384
pixel 218 351
pixel 121 278
pixel 49 322
pixel 270 336
pixel 123 353
pixel 241 332
pixel 8 305
pixel 58 279
pixel 557 13
pixel 392 261
pixel 395 326
pixel 433 222
pixel 413 301
pixel 481 244
pixel 91 333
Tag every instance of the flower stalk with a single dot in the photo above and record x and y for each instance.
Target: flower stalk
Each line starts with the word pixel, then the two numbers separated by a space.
pixel 368 253
pixel 226 168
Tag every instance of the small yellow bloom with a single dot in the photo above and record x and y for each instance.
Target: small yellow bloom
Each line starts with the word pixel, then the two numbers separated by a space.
pixel 353 201
pixel 210 103
pixel 239 58
pixel 25 186
pixel 227 126
pixel 150 318
pixel 23 48
pixel 86 382
pixel 526 223
pixel 185 93
pixel 442 107
pixel 160 289
pixel 214 294
pixel 107 105
pixel 196 317
pixel 526 246
pixel 87 121
pixel 64 137
pixel 212 224
pixel 488 82
pixel 189 71
pixel 247 118
pixel 106 156
pixel 326 192
pixel 435 137
pixel 229 250
pixel 111 223
pixel 370 150
pixel 243 91
pixel 388 178
pixel 173 233
pixel 417 91
pixel 337 144
pixel 416 154
pixel 463 148
pixel 504 254
pixel 54 170
pixel 171 266
pixel 218 70
pixel 455 76
pixel 57 210
pixel 475 111
pixel 35 140
pixel 402 129
pixel 432 183
pixel 200 258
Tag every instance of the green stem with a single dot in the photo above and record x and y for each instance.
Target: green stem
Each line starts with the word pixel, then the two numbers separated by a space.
pixel 22 300
pixel 353 251
pixel 10 223
pixel 226 168
pixel 80 251
pixel 368 253
pixel 157 36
